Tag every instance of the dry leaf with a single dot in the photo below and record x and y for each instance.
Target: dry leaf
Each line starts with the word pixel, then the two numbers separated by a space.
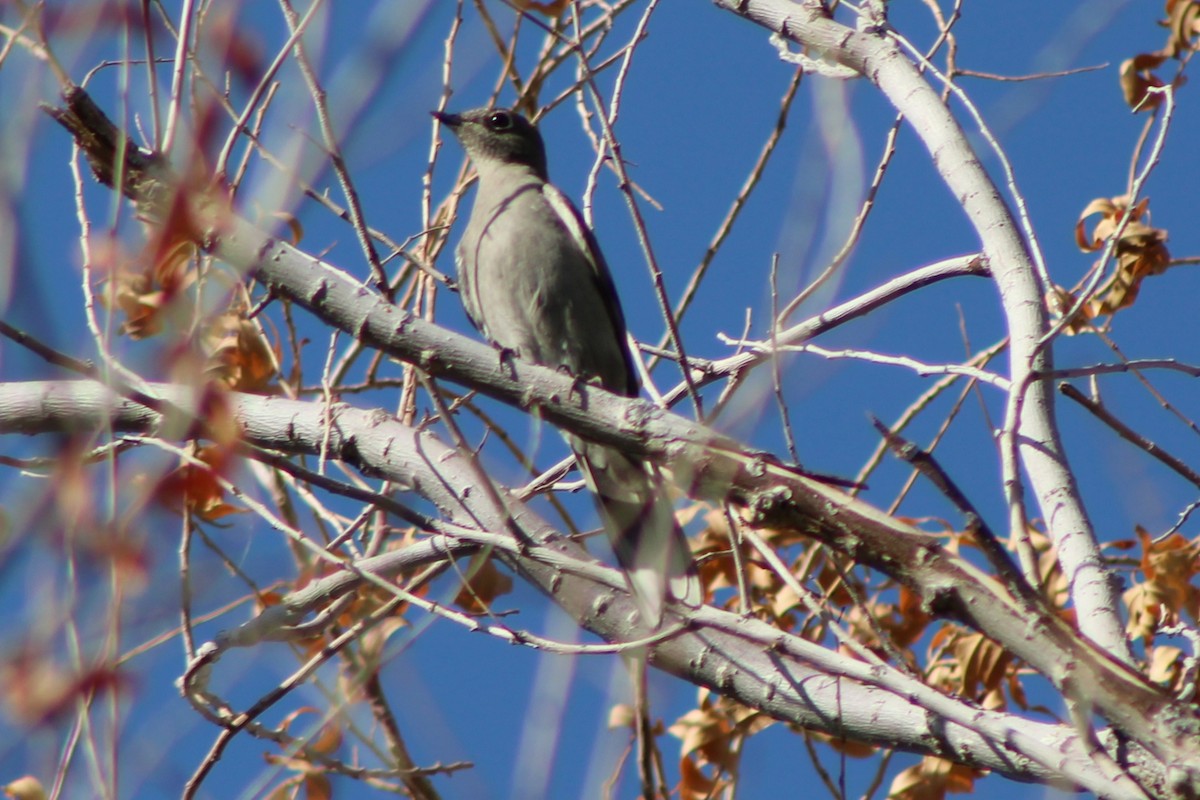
pixel 25 788
pixel 486 585
pixel 1182 23
pixel 1137 79
pixel 552 8
pixel 239 357
pixel 197 487
pixel 1166 666
pixel 933 779
pixel 1168 567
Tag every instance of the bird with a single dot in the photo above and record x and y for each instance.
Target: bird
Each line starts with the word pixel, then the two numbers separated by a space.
pixel 534 282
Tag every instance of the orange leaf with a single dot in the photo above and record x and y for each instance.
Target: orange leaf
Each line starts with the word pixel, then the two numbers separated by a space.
pixel 693 783
pixel 197 488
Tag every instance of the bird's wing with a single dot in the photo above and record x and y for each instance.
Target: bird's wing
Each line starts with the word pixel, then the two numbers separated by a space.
pixel 573 221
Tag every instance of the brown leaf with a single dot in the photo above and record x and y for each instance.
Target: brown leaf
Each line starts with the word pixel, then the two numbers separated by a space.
pixel 1016 690
pixel 239 357
pixel 197 487
pixel 1059 301
pixel 1054 583
pixel 969 664
pixel 708 735
pixel 328 739
pixel 144 286
pixel 694 784
pixel 141 304
pixel 293 224
pixel 317 787
pixel 908 619
pixel 1182 23
pixel 25 788
pixel 705 732
pixel 1137 78
pixel 1105 208
pixel 1166 666
pixel 847 747
pixel 1167 591
pixel 1140 251
pixel 1111 211
pixel 1145 611
pixel 933 779
pixel 485 586
pixel 552 8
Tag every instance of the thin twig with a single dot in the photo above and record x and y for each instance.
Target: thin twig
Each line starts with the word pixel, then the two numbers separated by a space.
pixel 989 543
pixel 1130 435
pixel 739 202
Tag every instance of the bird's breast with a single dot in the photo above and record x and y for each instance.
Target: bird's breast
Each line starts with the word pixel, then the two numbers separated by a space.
pixel 531 286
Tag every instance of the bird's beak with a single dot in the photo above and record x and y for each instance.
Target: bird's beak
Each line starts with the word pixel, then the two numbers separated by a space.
pixel 449 120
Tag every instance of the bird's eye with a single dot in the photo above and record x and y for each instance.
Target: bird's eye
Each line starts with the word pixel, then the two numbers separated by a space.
pixel 500 121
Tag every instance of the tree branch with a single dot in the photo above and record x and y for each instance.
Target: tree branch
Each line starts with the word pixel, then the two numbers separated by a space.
pixel 785 676
pixel 1030 428
pixel 706 463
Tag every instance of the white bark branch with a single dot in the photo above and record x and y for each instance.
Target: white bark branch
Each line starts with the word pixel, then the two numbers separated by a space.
pixel 1030 427
pixel 786 677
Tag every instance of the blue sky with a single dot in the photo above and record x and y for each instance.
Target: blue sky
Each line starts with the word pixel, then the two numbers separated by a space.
pixel 703 94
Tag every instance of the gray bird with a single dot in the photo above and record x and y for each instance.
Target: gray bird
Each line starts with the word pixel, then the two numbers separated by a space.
pixel 533 281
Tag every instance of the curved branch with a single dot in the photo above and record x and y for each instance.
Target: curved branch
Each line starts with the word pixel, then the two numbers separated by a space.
pixel 707 464
pixel 1030 427
pixel 784 676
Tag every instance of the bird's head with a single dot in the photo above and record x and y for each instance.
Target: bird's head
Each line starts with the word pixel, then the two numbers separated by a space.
pixel 496 136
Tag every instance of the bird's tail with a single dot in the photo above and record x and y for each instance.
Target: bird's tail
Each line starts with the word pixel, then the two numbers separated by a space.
pixel 640 520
